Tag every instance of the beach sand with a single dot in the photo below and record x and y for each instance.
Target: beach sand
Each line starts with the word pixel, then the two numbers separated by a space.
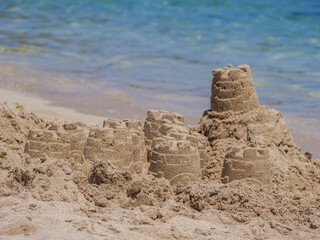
pixel 49 197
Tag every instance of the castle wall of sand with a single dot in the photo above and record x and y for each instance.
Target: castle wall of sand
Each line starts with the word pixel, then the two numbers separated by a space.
pixel 78 139
pixel 112 145
pixel 118 142
pixel 121 143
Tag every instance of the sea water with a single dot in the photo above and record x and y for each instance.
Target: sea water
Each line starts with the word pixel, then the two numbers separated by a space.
pixel 155 53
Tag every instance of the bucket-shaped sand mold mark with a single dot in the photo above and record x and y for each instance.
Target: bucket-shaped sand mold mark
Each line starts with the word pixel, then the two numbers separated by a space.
pixel 157 124
pixel 163 124
pixel 198 140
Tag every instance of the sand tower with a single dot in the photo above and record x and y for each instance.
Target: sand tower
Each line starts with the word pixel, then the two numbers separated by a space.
pixel 168 128
pixel 199 141
pixel 53 141
pixel 112 145
pixel 176 160
pixel 252 164
pixel 118 142
pixel 57 141
pixel 233 89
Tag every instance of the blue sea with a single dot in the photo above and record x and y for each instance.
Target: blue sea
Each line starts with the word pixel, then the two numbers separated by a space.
pixel 105 56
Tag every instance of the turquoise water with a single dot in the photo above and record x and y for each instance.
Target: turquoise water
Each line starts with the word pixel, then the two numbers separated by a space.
pixel 161 53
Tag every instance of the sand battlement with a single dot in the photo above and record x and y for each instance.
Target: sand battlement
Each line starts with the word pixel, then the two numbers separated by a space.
pixel 159 123
pixel 55 144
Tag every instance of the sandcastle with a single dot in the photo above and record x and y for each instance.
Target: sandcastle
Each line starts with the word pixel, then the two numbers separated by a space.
pixel 118 142
pixel 166 135
pixel 236 119
pixel 57 141
pixel 168 148
pixel 135 127
pixel 233 89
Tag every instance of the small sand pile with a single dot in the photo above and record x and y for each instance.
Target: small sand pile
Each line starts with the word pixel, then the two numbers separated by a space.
pixel 256 184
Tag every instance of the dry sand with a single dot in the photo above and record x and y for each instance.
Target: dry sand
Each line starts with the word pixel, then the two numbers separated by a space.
pixel 60 198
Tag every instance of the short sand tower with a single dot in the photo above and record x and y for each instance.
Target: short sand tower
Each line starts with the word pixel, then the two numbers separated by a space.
pixel 162 124
pixel 118 142
pixel 53 141
pixel 111 145
pixel 233 89
pixel 135 127
pixel 176 160
pixel 198 140
pixel 252 164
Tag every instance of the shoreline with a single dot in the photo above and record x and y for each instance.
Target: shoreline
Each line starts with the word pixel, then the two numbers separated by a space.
pixel 44 109
pixel 305 131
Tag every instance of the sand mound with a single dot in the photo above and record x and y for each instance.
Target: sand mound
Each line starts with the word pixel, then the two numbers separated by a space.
pixel 256 184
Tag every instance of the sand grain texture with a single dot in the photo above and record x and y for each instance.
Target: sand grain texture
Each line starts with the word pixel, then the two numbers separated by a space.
pixel 71 196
